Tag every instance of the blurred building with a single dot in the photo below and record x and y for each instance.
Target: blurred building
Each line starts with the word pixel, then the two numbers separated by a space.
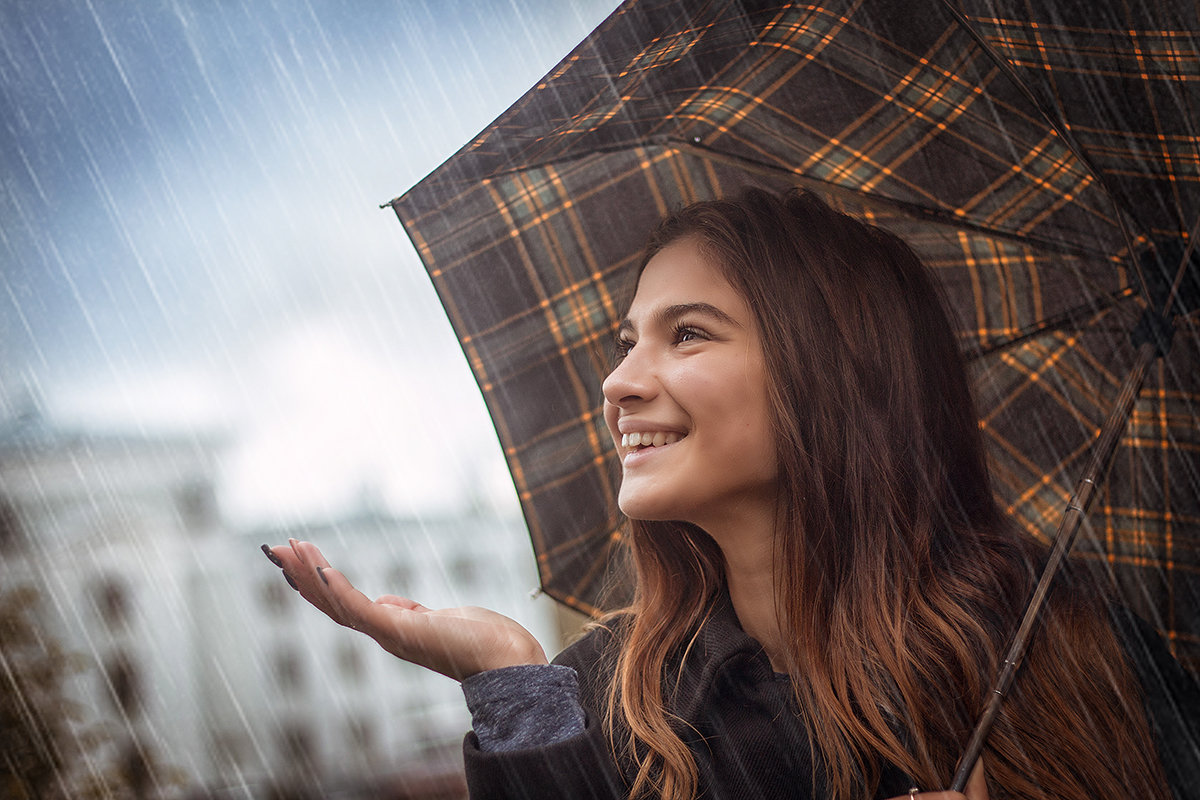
pixel 209 676
pixel 105 528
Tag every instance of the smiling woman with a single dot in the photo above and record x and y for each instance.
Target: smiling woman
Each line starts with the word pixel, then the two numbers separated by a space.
pixel 824 582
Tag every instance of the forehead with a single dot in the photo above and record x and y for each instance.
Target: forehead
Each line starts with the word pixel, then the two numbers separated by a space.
pixel 679 274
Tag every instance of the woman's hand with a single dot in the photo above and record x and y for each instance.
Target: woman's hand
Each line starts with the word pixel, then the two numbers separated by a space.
pixel 457 642
pixel 976 788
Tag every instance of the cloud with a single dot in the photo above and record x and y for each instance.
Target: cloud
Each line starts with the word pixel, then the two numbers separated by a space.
pixel 195 240
pixel 328 417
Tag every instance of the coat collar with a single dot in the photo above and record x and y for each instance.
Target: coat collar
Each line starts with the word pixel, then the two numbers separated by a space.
pixel 720 648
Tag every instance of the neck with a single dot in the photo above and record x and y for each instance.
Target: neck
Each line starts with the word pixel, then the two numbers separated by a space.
pixel 748 551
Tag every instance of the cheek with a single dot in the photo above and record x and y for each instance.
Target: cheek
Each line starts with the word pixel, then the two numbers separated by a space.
pixel 755 424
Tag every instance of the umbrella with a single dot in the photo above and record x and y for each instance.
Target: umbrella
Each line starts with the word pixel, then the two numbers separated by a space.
pixel 1044 159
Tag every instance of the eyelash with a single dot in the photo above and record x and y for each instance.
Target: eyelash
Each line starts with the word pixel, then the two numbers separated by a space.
pixel 678 332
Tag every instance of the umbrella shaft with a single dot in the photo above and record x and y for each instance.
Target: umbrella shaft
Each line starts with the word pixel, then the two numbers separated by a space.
pixel 1077 508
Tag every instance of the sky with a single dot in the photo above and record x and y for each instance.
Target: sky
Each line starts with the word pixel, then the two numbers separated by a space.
pixel 191 238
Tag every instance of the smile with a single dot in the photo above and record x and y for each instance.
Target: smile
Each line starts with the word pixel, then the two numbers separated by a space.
pixel 648 439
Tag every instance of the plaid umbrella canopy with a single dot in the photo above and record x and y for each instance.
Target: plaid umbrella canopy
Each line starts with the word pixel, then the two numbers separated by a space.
pixel 1033 154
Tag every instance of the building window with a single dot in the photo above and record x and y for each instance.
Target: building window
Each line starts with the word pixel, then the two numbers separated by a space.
pixel 401 579
pixel 197 505
pixel 228 749
pixel 10 526
pixel 360 736
pixel 350 662
pixel 275 596
pixel 464 572
pixel 136 767
pixel 112 600
pixel 124 686
pixel 296 746
pixel 287 670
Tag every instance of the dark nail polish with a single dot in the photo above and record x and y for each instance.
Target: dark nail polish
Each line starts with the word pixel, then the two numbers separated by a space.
pixel 321 575
pixel 274 558
pixel 291 582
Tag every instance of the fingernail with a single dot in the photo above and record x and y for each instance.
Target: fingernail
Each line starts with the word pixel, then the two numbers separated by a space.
pixel 321 575
pixel 291 582
pixel 274 558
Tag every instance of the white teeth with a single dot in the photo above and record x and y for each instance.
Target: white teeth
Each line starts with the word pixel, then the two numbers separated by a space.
pixel 646 439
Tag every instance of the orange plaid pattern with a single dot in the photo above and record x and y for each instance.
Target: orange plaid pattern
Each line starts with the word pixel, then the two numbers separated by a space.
pixel 1002 155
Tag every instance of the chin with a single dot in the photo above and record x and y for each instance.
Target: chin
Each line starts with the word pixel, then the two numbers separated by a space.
pixel 648 509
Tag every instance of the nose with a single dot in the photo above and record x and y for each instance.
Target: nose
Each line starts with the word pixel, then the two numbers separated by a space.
pixel 632 380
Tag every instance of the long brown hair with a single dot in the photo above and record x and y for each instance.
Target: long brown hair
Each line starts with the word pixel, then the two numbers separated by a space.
pixel 899 579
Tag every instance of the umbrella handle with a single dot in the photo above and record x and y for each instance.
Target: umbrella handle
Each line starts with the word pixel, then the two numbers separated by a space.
pixel 1110 435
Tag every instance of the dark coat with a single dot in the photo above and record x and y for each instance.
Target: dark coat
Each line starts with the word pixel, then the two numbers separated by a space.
pixel 743 729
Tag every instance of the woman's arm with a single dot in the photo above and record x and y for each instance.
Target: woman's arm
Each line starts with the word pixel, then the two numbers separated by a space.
pixel 519 759
pixel 516 708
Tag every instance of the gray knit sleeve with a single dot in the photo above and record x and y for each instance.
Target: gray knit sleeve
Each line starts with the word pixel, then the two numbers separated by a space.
pixel 514 708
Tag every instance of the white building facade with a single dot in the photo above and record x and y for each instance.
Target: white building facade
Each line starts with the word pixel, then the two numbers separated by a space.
pixel 208 673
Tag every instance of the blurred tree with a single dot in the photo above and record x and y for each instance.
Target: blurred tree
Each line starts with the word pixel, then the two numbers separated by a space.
pixel 46 751
pixel 37 736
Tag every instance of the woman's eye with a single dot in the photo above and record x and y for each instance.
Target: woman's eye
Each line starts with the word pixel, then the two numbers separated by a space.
pixel 623 346
pixel 686 334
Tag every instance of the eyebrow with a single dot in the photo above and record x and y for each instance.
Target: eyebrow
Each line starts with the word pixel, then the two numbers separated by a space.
pixel 672 314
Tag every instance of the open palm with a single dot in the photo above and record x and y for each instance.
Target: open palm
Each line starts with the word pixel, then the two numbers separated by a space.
pixel 457 642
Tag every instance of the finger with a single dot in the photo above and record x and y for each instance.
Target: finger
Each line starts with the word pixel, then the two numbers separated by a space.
pixel 354 609
pixel 313 560
pixel 284 557
pixel 271 556
pixel 276 557
pixel 310 562
pixel 299 562
pixel 402 602
pixel 308 554
pixel 279 555
pixel 976 788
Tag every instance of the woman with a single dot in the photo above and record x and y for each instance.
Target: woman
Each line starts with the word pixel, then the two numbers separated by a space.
pixel 824 581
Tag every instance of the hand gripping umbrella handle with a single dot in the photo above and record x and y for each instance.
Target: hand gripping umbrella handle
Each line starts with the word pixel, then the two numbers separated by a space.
pixel 1077 509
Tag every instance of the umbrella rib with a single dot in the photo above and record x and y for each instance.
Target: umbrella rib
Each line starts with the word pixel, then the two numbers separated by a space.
pixel 1057 124
pixel 1188 121
pixel 924 214
pixel 883 203
pixel 1177 284
pixel 1104 450
pixel 1071 318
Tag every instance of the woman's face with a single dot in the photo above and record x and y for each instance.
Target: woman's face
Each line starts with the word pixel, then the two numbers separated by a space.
pixel 687 404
